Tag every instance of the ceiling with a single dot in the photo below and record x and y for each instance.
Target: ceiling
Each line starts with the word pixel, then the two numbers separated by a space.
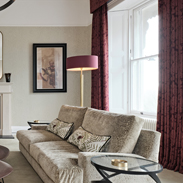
pixel 46 13
pixel 54 12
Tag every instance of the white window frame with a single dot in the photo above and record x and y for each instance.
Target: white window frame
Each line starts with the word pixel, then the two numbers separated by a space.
pixel 131 59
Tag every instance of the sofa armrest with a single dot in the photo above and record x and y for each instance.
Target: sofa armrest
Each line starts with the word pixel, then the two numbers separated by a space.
pixel 39 127
pixel 148 145
pixel 89 171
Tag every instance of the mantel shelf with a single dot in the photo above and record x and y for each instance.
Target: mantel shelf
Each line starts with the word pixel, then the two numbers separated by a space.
pixel 5 88
pixel 5 83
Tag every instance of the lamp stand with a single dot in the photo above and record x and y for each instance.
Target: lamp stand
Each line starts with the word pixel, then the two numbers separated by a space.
pixel 81 78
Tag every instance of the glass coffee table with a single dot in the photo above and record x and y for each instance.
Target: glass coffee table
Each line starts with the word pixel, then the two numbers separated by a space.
pixel 41 122
pixel 135 166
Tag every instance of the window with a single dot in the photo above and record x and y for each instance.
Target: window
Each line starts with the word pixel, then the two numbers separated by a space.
pixel 133 60
pixel 144 59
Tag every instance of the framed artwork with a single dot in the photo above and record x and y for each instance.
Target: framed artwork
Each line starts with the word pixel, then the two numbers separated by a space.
pixel 49 67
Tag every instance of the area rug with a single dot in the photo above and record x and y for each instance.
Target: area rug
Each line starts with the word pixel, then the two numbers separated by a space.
pixel 24 173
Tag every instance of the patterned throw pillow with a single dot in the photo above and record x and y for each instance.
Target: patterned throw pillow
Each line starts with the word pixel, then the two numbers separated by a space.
pixel 60 128
pixel 64 129
pixel 52 125
pixel 88 142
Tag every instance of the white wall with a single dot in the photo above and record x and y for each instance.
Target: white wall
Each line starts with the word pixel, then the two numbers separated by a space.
pixel 46 13
pixel 17 59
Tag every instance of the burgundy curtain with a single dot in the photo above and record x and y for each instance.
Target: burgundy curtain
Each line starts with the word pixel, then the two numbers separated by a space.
pixel 100 83
pixel 170 100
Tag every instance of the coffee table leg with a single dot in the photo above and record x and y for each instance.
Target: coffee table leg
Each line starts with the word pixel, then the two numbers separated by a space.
pixel 155 177
pixel 99 181
pixel 104 175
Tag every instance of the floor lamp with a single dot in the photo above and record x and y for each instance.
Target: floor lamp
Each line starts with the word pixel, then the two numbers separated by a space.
pixel 6 5
pixel 82 63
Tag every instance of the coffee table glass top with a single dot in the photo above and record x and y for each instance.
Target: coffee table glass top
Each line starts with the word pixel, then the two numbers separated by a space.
pixel 39 123
pixel 135 165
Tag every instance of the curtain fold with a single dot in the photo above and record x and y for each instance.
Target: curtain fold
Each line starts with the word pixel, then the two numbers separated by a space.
pixel 100 77
pixel 170 99
pixel 95 4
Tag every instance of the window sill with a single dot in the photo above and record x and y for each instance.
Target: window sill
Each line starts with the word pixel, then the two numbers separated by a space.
pixel 152 117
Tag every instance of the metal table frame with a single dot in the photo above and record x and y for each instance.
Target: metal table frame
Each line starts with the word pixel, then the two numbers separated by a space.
pixel 40 123
pixel 106 176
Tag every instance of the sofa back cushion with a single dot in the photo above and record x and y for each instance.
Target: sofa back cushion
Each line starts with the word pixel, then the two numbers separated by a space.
pixel 72 114
pixel 123 129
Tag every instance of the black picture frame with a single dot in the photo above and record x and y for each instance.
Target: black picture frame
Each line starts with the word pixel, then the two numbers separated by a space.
pixel 49 67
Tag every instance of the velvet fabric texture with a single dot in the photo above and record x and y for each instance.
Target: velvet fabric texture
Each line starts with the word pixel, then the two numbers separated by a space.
pixel 95 4
pixel 28 137
pixel 123 129
pixel 72 114
pixel 148 145
pixel 170 99
pixel 39 127
pixel 58 160
pixel 100 77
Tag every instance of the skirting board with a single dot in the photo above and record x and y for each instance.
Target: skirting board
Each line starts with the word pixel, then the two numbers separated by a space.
pixel 17 128
pixel 6 137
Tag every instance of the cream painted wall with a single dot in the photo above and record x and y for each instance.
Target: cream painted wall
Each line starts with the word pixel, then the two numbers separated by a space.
pixel 17 59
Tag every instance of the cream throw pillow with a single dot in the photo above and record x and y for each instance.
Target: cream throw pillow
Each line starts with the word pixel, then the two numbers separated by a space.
pixel 52 125
pixel 88 142
pixel 60 128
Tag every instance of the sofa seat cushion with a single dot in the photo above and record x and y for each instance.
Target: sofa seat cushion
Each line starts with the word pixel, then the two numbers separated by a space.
pixel 27 137
pixel 58 159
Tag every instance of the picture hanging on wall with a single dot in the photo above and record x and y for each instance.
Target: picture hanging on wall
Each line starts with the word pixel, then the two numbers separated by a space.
pixel 49 67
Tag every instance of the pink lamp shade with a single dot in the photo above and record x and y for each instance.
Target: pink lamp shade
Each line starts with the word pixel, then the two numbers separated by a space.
pixel 85 62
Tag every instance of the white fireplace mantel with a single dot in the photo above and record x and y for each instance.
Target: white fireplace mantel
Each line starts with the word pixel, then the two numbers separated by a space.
pixel 5 93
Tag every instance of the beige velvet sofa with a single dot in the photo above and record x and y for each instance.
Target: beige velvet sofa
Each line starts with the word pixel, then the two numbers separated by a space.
pixel 57 161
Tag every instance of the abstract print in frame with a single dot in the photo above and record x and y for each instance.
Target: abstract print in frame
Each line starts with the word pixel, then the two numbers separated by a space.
pixel 49 67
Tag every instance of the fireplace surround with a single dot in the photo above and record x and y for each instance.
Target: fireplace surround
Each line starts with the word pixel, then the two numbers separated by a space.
pixel 5 111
